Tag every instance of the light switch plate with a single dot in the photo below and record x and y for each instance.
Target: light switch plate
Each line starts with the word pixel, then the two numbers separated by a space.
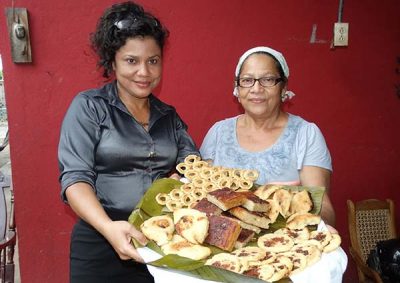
pixel 18 30
pixel 341 34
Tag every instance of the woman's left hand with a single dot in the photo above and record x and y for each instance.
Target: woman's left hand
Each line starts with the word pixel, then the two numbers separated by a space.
pixel 175 176
pixel 331 229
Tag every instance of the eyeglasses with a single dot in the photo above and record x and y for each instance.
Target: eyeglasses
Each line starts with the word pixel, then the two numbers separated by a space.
pixel 131 23
pixel 264 81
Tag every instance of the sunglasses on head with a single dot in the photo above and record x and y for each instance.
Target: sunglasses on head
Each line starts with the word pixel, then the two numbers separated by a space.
pixel 133 22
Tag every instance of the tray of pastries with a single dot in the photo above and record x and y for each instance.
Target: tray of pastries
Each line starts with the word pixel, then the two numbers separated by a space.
pixel 218 225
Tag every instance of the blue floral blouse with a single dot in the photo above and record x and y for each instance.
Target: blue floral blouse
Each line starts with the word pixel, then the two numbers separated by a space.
pixel 300 144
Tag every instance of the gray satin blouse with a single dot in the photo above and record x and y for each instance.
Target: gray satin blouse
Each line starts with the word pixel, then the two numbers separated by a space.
pixel 103 145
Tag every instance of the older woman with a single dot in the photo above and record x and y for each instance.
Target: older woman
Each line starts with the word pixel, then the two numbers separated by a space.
pixel 115 141
pixel 283 147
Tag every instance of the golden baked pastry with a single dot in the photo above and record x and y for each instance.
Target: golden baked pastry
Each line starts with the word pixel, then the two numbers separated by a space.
pixel 299 261
pixel 333 244
pixel 266 191
pixel 301 202
pixel 312 253
pixel 225 261
pixel 275 243
pixel 249 254
pixel 283 198
pixel 299 221
pixel 273 210
pixel 184 248
pixel 191 224
pixel 283 266
pixel 323 237
pixel 158 229
pixel 298 235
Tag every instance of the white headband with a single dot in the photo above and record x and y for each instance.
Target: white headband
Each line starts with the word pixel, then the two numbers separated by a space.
pixel 277 55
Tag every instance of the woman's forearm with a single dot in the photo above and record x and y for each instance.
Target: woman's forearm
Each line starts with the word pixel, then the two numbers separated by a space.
pixel 316 176
pixel 85 204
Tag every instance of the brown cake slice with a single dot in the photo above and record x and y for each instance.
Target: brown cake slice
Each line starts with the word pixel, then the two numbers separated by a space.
pixel 207 207
pixel 223 232
pixel 245 225
pixel 225 198
pixel 258 219
pixel 245 236
pixel 254 203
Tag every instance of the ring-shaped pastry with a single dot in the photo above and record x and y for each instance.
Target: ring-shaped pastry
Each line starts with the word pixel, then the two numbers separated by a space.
pixel 216 177
pixel 225 172
pixel 187 188
pixel 198 182
pixel 187 199
pixel 173 205
pixel 206 172
pixel 182 167
pixel 162 198
pixel 209 186
pixel 235 184
pixel 176 194
pixel 191 158
pixel 198 194
pixel 198 165
pixel 235 173
pixel 250 175
pixel 217 168
pixel 245 184
pixel 190 174
pixel 225 182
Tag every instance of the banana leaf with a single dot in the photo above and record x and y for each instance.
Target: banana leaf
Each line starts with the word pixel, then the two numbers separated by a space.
pixel 148 207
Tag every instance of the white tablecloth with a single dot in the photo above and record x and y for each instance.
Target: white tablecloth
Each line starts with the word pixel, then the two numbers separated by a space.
pixel 329 269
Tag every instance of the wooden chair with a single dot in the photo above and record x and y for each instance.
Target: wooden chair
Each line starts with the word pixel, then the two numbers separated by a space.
pixel 370 221
pixel 7 234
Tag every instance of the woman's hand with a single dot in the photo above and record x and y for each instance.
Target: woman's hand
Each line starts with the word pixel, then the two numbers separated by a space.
pixel 84 202
pixel 175 176
pixel 119 234
pixel 331 229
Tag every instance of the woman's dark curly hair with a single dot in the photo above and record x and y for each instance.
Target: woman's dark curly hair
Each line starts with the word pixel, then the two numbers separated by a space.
pixel 119 23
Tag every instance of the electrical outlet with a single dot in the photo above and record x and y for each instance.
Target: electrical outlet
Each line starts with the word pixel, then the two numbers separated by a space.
pixel 341 34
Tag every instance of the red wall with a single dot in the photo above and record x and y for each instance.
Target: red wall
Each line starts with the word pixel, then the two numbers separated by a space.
pixel 349 92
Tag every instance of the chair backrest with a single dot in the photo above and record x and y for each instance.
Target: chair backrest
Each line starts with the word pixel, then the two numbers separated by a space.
pixel 370 221
pixel 4 183
pixel 3 214
pixel 7 234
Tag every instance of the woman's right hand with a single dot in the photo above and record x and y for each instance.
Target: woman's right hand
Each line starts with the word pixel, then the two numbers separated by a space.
pixel 119 234
pixel 84 202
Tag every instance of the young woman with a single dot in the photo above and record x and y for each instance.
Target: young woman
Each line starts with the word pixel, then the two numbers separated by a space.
pixel 115 141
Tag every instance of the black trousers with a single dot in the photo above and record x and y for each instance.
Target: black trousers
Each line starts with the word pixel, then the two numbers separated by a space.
pixel 93 260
